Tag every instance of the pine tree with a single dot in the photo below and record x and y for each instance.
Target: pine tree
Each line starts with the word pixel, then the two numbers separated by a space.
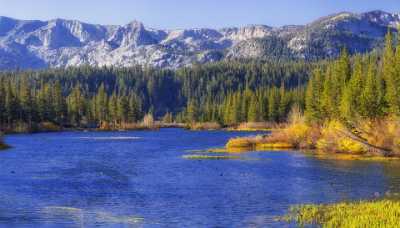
pixel 102 104
pixel 135 113
pixel 252 115
pixel 114 109
pixel 350 97
pixel 2 104
pixel 10 104
pixel 27 102
pixel 389 75
pixel 372 97
pixel 60 106
pixel 313 110
pixel 328 97
pixel 273 105
pixel 343 67
pixel 123 109
pixel 192 112
pixel 76 106
pixel 283 103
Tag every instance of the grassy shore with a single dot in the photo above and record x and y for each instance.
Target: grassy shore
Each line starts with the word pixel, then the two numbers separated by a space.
pixel 377 213
pixel 365 138
pixel 207 126
pixel 255 126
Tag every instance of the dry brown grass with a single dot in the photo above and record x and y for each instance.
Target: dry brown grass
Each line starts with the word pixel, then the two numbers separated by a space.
pixel 105 126
pixel 139 126
pixel 244 142
pixel 204 126
pixel 49 127
pixel 383 133
pixel 335 138
pixel 296 133
pixel 257 126
pixel 372 137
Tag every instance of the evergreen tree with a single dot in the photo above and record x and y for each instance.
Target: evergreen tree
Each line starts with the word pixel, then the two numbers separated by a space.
pixel 313 110
pixel 123 109
pixel 27 102
pixel 350 97
pixel 102 104
pixel 329 95
pixel 372 97
pixel 60 106
pixel 192 112
pixel 253 115
pixel 389 75
pixel 273 105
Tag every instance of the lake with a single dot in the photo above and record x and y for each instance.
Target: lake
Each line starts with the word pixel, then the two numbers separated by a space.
pixel 142 179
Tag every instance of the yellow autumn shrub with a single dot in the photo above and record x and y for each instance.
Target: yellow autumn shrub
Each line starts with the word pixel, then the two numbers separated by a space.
pixel 334 138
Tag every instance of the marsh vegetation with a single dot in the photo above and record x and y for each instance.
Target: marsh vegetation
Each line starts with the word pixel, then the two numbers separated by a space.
pixel 375 213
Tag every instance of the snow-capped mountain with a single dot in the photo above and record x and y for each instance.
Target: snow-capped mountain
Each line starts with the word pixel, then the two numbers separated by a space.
pixel 62 43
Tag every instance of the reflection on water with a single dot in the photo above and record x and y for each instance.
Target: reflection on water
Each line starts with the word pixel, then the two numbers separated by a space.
pixel 83 218
pixel 167 178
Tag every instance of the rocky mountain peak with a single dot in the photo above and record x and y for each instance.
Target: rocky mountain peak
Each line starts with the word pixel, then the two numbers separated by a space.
pixel 382 18
pixel 62 43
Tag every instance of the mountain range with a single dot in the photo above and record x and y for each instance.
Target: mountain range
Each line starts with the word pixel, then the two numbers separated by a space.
pixel 34 44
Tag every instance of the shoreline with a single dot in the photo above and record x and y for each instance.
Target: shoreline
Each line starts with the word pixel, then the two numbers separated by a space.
pixel 331 138
pixel 198 126
pixel 245 144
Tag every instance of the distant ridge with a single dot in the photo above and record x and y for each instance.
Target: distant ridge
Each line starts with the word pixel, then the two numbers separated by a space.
pixel 33 44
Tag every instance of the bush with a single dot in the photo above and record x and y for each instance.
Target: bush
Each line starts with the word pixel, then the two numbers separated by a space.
pixel 334 138
pixel 244 142
pixel 148 120
pixel 49 127
pixel 383 133
pixel 205 126
pixel 257 126
pixel 297 133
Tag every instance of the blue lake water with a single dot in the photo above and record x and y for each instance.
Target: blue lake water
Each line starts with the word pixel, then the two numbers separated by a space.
pixel 141 179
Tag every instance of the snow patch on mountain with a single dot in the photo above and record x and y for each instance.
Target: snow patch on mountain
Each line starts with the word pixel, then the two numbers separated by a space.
pixel 63 43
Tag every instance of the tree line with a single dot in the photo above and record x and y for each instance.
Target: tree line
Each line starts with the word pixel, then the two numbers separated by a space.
pixel 90 97
pixel 271 104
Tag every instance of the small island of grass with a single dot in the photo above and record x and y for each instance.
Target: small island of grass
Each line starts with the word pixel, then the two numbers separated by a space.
pixel 377 213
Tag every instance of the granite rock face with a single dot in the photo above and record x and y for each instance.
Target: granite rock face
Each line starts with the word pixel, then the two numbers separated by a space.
pixel 63 43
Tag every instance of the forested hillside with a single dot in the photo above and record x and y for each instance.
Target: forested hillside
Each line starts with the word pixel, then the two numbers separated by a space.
pixel 366 87
pixel 227 92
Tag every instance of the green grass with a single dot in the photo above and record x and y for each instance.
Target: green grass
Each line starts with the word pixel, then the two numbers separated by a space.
pixel 380 213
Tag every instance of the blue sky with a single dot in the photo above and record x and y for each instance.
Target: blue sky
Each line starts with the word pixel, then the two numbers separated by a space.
pixel 189 13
